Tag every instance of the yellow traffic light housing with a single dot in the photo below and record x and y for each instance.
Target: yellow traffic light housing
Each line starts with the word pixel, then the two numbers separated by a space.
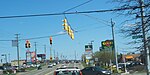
pixel 71 34
pixel 68 29
pixel 65 25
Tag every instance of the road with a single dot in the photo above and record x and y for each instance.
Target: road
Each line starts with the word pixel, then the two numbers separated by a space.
pixel 49 71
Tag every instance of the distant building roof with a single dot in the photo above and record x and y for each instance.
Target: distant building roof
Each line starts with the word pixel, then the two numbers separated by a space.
pixel 131 56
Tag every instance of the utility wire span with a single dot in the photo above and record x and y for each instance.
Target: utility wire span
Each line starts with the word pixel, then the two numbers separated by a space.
pixel 44 36
pixel 78 5
pixel 64 33
pixel 52 14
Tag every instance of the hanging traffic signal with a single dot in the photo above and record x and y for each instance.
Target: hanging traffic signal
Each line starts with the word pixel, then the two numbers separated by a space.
pixel 68 29
pixel 65 24
pixel 27 44
pixel 50 40
pixel 71 34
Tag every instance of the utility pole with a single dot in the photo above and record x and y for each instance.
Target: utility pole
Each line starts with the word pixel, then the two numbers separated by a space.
pixel 9 57
pixel 54 54
pixel 146 52
pixel 75 55
pixel 45 53
pixel 45 50
pixel 57 56
pixel 17 40
pixel 35 54
pixel 6 58
pixel 115 51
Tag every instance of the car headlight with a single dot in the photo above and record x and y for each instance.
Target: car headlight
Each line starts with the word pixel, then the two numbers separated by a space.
pixel 106 72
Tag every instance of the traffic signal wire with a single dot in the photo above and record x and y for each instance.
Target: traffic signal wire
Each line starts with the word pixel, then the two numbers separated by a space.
pixel 64 33
pixel 78 5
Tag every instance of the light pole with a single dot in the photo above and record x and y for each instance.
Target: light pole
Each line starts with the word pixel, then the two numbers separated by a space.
pixel 35 54
pixel 17 40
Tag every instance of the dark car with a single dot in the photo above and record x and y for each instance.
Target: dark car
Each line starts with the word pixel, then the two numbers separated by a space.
pixel 95 70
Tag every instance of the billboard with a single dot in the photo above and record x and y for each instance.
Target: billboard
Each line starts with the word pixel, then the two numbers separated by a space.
pixel 88 47
pixel 43 56
pixel 107 44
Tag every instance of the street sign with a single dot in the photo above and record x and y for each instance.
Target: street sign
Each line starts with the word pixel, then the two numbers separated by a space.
pixel 137 36
pixel 14 43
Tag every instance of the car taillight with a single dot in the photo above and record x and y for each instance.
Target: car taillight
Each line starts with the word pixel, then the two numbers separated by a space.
pixel 80 73
pixel 54 72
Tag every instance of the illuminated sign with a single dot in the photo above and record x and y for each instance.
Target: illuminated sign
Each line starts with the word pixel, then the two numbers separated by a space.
pixel 107 44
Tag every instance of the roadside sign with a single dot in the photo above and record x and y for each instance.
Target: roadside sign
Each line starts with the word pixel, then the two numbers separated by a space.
pixel 14 43
pixel 87 60
pixel 137 36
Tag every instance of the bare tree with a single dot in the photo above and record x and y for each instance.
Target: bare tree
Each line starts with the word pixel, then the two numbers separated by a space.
pixel 132 9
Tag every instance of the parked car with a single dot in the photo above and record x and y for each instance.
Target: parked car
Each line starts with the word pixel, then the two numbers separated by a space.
pixel 95 70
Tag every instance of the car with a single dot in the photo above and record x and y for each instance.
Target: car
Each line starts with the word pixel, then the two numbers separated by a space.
pixel 54 64
pixel 50 65
pixel 67 71
pixel 95 70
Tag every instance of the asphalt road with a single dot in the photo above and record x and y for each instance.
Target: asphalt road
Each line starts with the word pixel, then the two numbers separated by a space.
pixel 49 71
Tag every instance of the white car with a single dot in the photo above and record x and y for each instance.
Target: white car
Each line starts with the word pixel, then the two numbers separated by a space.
pixel 54 64
pixel 50 65
pixel 68 71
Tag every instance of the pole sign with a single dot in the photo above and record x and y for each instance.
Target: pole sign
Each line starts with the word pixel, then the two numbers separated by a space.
pixel 107 44
pixel 137 36
pixel 88 47
pixel 14 43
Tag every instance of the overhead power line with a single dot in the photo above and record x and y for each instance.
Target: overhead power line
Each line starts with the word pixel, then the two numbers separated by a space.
pixel 78 5
pixel 53 14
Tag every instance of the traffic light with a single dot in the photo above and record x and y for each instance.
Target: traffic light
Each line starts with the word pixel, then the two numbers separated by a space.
pixel 27 44
pixel 51 58
pixel 65 24
pixel 71 34
pixel 68 29
pixel 50 40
